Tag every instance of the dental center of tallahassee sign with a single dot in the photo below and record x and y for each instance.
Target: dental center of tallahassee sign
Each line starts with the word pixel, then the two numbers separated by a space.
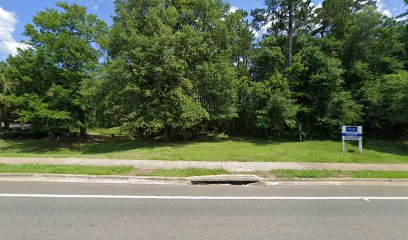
pixel 352 133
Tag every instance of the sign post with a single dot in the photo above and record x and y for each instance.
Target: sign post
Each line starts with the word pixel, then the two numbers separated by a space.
pixel 352 133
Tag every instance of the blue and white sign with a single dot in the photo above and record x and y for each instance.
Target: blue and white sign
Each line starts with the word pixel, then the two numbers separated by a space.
pixel 352 133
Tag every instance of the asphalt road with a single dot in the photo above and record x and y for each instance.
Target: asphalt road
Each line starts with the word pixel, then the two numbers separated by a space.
pixel 107 211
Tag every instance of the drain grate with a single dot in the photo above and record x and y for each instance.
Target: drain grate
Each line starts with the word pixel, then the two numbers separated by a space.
pixel 225 180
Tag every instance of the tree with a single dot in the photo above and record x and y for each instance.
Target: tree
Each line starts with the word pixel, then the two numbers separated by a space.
pixel 284 17
pixel 318 87
pixel 70 44
pixel 372 47
pixel 266 106
pixel 403 15
pixel 242 38
pixel 6 85
pixel 172 65
pixel 387 98
pixel 33 100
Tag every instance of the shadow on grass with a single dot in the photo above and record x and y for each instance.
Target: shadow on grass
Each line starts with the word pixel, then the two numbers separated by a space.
pixel 104 146
pixel 391 147
pixel 114 145
pixel 44 146
pixel 31 146
pixel 110 146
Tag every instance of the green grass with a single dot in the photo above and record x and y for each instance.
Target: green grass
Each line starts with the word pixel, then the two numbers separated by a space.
pixel 122 170
pixel 185 172
pixel 379 174
pixel 211 150
pixel 305 174
pixel 95 170
pixel 61 169
pixel 106 131
pixel 338 174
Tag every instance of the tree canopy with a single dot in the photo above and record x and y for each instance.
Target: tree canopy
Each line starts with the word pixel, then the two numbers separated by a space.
pixel 66 49
pixel 180 68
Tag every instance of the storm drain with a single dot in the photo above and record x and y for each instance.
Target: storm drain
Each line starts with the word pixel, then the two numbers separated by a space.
pixel 225 180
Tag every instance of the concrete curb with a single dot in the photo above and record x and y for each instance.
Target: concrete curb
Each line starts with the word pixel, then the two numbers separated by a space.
pixel 69 178
pixel 337 180
pixel 232 166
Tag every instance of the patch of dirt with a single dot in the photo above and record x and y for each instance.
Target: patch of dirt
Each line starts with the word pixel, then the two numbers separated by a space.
pixel 138 172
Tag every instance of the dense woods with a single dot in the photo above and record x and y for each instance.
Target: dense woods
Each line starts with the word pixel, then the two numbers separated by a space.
pixel 180 68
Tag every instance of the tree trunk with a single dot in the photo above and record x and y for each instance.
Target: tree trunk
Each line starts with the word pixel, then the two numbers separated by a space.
pixel 290 33
pixel 168 133
pixel 82 120
pixel 6 120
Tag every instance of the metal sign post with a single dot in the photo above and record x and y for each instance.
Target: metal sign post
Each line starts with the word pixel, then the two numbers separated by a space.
pixel 352 133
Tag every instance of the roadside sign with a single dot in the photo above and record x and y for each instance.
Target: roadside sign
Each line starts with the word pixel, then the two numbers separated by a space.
pixel 352 133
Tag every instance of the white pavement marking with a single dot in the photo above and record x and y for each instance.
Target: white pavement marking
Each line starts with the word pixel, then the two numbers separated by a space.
pixel 9 195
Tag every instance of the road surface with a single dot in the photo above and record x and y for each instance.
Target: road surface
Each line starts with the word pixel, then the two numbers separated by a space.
pixel 42 211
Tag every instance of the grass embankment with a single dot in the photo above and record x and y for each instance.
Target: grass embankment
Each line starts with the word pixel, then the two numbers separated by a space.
pixel 210 150
pixel 184 172
pixel 338 174
pixel 117 170
pixel 62 169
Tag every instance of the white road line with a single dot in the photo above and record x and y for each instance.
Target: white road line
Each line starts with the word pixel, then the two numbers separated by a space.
pixel 9 195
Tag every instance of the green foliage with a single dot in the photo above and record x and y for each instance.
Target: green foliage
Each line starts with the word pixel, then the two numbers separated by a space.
pixel 278 109
pixel 289 17
pixel 387 100
pixel 335 17
pixel 374 40
pixel 267 60
pixel 174 61
pixel 266 104
pixel 266 108
pixel 403 15
pixel 66 50
pixel 179 68
pixel 7 85
pixel 279 11
pixel 317 80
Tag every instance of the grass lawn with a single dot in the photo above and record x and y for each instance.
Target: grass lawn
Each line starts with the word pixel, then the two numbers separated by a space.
pixel 106 131
pixel 61 169
pixel 184 172
pixel 211 150
pixel 337 174
pixel 119 170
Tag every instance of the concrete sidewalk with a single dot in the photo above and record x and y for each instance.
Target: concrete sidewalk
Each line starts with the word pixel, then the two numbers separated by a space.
pixel 230 166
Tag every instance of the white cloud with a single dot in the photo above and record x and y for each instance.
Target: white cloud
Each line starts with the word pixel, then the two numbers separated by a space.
pixel 8 22
pixel 93 4
pixel 382 9
pixel 232 9
pixel 262 31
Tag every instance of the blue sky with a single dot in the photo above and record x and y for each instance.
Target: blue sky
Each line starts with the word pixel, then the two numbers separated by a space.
pixel 14 14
